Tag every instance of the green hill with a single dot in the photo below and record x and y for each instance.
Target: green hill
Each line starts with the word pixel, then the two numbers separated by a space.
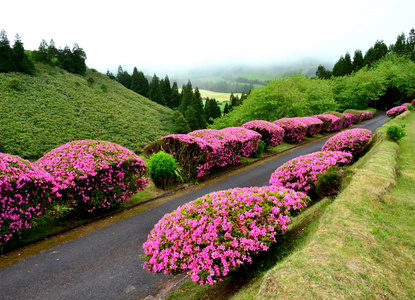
pixel 41 112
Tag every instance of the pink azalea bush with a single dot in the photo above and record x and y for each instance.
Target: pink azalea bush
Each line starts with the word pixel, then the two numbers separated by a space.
pixel 352 141
pixel 295 130
pixel 271 133
pixel 314 125
pixel 26 192
pixel 94 174
pixel 348 119
pixel 330 122
pixel 406 105
pixel 248 139
pixel 200 151
pixel 357 115
pixel 217 233
pixel 396 111
pixel 413 103
pixel 301 172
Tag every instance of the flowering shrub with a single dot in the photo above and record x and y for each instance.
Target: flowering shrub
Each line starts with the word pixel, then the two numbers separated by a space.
pixel 357 115
pixel 271 133
pixel 330 122
pixel 301 172
pixel 395 111
pixel 248 139
pixel 413 102
pixel 217 233
pixel 352 141
pixel 406 105
pixel 348 119
pixel 25 193
pixel 295 130
pixel 314 125
pixel 367 114
pixel 341 116
pixel 92 174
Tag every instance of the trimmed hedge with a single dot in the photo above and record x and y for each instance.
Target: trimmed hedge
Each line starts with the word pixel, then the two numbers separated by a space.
pixel 271 133
pixel 295 130
pixel 352 141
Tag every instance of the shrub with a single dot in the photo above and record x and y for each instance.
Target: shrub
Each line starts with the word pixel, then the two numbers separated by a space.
pixel 330 122
pixel 410 107
pixel 248 139
pixel 271 133
pixel 294 130
pixel 357 115
pixel 217 233
pixel 314 125
pixel 260 150
pixel 328 183
pixel 396 132
pixel 395 111
pixel 301 172
pixel 352 141
pixel 163 168
pixel 94 174
pixel 26 192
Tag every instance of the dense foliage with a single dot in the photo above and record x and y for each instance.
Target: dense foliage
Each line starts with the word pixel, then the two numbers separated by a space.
pixel 271 133
pixel 94 174
pixel 26 191
pixel 162 169
pixel 217 233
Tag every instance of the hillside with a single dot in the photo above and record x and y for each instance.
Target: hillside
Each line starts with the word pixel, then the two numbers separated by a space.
pixel 41 112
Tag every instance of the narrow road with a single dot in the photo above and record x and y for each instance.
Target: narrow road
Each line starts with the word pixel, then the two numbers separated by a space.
pixel 105 264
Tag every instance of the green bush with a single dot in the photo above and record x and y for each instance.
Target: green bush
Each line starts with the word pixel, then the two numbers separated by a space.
pixel 260 150
pixel 410 107
pixel 396 132
pixel 163 169
pixel 328 184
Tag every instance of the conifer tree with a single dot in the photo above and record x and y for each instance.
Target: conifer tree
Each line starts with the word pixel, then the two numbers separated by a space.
pixel 135 81
pixel 357 60
pixel 348 66
pixel 42 53
pixel 22 62
pixel 143 85
pixel 78 58
pixel 6 54
pixel 155 93
pixel 175 96
pixel 322 72
pixel 186 97
pixel 166 90
pixel 197 104
pixel 192 118
pixel 180 124
pixel 123 77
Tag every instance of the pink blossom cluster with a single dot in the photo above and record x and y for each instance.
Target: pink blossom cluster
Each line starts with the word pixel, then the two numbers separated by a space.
pixel 359 115
pixel 295 130
pixel 301 172
pixel 352 141
pixel 413 102
pixel 314 125
pixel 271 133
pixel 367 114
pixel 406 105
pixel 348 120
pixel 199 151
pixel 94 174
pixel 25 193
pixel 217 233
pixel 330 122
pixel 396 111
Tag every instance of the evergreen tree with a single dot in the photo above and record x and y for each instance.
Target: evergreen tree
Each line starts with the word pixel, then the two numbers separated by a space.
pixel 322 72
pixel 358 60
pixel 212 110
pixel 42 54
pixel 143 85
pixel 400 46
pixel 52 51
pixel 339 67
pixel 22 62
pixel 123 77
pixel 410 44
pixel 65 60
pixel 380 49
pixel 78 58
pixel 348 66
pixel 166 90
pixel 370 57
pixel 226 109
pixel 186 97
pixel 6 54
pixel 180 124
pixel 135 81
pixel 110 75
pixel 197 104
pixel 192 118
pixel 175 96
pixel 155 93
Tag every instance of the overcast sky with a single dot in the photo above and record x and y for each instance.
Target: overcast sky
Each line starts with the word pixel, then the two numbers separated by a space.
pixel 175 34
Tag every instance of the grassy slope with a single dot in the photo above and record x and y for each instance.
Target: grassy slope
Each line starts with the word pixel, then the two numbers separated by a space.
pixel 54 107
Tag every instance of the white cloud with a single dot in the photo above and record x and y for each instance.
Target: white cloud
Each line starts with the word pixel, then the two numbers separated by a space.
pixel 182 33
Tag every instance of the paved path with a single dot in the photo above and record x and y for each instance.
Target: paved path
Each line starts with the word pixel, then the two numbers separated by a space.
pixel 105 264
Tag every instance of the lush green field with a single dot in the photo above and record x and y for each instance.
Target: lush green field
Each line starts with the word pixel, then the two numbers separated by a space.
pixel 359 245
pixel 44 111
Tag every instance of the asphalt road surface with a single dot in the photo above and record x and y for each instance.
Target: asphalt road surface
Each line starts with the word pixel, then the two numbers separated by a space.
pixel 105 264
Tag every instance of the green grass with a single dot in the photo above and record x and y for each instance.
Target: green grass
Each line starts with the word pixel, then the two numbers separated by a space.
pixel 358 246
pixel 41 112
